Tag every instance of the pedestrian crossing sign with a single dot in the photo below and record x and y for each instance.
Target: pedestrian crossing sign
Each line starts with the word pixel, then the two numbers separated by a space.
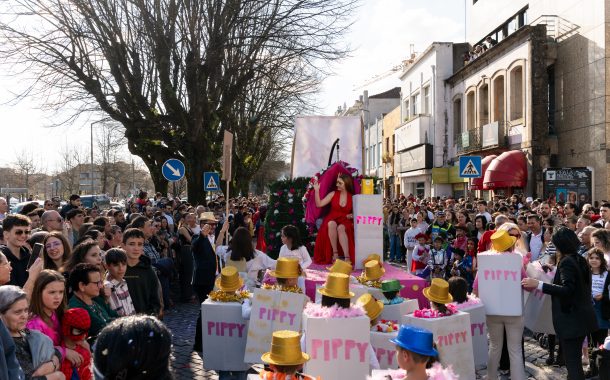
pixel 470 167
pixel 211 181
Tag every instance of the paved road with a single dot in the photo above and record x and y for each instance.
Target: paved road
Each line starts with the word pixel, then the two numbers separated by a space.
pixel 188 365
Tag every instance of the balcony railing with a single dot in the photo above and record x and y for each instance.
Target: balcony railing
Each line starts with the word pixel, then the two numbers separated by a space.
pixel 489 136
pixel 557 28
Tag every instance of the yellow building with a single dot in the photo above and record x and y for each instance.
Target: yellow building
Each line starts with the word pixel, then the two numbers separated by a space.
pixel 391 121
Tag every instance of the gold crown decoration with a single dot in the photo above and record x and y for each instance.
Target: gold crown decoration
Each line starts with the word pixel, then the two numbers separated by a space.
pixel 286 267
pixel 438 291
pixel 340 266
pixel 373 270
pixel 336 286
pixel 285 349
pixel 372 306
pixel 229 280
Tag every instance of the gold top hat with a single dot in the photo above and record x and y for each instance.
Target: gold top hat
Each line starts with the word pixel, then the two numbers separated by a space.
pixel 340 266
pixel 286 267
pixel 372 306
pixel 285 349
pixel 373 270
pixel 229 280
pixel 207 216
pixel 501 241
pixel 438 291
pixel 336 286
pixel 371 257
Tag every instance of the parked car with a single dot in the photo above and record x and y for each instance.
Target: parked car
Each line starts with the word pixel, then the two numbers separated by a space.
pixel 101 201
pixel 19 206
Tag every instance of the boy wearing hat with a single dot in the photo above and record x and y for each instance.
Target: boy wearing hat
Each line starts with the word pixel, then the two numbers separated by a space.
pixel 287 272
pixel 391 290
pixel 438 259
pixel 285 358
pixel 438 295
pixel 414 350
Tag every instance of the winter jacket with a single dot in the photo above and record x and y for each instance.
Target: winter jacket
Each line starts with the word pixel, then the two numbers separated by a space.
pixel 143 287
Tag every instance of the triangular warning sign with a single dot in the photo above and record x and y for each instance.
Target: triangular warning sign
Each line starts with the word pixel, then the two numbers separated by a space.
pixel 211 183
pixel 470 169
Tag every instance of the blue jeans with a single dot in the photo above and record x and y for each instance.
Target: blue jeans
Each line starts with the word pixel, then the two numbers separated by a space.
pixel 395 253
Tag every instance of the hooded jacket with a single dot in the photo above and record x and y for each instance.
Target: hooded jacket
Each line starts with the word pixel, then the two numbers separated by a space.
pixel 143 287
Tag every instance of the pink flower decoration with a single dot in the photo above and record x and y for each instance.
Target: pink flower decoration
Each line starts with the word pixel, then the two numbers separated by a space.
pixel 272 223
pixel 291 211
pixel 317 310
pixel 279 193
pixel 277 204
pixel 292 191
pixel 271 236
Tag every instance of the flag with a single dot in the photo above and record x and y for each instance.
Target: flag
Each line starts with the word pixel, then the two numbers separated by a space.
pixel 227 149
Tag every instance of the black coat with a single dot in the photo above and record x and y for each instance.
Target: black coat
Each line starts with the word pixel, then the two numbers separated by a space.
pixel 204 261
pixel 572 304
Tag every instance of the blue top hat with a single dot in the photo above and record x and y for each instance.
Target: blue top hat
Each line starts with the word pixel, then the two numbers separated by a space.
pixel 416 340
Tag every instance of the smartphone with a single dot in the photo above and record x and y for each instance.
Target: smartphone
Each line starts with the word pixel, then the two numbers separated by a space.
pixel 36 252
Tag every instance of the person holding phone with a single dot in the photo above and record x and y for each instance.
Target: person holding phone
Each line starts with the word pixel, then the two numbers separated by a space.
pixel 16 230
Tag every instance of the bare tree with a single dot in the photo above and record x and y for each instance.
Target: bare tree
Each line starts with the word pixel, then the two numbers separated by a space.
pixel 70 167
pixel 177 74
pixel 110 139
pixel 26 166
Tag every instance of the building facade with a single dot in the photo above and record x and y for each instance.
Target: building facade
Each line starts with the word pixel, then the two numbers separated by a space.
pixel 423 136
pixel 391 121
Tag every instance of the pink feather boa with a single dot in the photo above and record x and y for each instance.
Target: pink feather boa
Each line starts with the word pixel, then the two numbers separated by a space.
pixel 437 372
pixel 318 311
pixel 429 313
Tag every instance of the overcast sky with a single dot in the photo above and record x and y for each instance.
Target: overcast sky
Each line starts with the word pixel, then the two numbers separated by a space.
pixel 380 38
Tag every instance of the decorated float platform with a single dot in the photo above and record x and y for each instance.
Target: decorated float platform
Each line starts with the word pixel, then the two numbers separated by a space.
pixel 413 285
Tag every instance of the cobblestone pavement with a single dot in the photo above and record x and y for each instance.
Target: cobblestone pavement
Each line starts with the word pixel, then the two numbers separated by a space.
pixel 188 365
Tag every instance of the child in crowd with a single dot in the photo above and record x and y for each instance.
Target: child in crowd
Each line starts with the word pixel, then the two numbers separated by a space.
pixel 410 240
pixel 460 241
pixel 119 300
pixel 421 255
pixel 293 247
pixel 462 266
pixel 391 290
pixel 75 326
pixel 438 259
pixel 471 250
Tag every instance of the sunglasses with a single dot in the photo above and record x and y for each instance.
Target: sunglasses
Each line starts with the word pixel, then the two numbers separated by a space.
pixel 21 232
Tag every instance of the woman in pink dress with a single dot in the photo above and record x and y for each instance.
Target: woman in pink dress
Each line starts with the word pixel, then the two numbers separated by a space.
pixel 338 226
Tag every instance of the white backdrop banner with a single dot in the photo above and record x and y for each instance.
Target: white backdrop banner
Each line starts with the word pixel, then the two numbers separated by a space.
pixel 313 140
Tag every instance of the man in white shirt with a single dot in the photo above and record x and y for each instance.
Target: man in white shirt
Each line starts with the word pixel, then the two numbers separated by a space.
pixel 535 234
pixel 482 208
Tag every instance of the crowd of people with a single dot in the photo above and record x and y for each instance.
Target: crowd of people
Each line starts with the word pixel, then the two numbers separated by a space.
pixel 70 274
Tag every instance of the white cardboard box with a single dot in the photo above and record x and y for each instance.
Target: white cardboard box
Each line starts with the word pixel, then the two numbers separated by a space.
pixel 395 312
pixel 478 329
pixel 499 277
pixel 224 333
pixel 384 349
pixel 453 339
pixel 368 226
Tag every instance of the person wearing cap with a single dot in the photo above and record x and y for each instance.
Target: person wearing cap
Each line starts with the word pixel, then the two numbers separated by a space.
pixel 440 226
pixel 415 352
pixel 285 359
pixel 421 255
pixel 391 290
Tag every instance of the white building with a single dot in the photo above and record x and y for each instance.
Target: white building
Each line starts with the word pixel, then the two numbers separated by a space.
pixel 422 139
pixel 372 109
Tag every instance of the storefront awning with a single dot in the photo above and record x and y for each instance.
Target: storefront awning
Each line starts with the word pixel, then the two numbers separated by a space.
pixel 507 170
pixel 477 183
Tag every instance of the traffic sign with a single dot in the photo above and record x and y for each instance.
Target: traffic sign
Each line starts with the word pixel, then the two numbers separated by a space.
pixel 173 169
pixel 470 167
pixel 211 181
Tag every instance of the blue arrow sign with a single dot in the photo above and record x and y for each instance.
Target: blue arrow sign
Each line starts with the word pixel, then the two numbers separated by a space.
pixel 211 181
pixel 470 167
pixel 173 169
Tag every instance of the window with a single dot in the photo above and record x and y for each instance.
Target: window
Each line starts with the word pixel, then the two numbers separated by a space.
pixel 367 159
pixel 498 91
pixel 427 100
pixel 407 110
pixel 457 117
pixel 378 154
pixel 516 93
pixel 387 145
pixel 470 108
pixel 483 105
pixel 393 143
pixel 420 189
pixel 415 109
